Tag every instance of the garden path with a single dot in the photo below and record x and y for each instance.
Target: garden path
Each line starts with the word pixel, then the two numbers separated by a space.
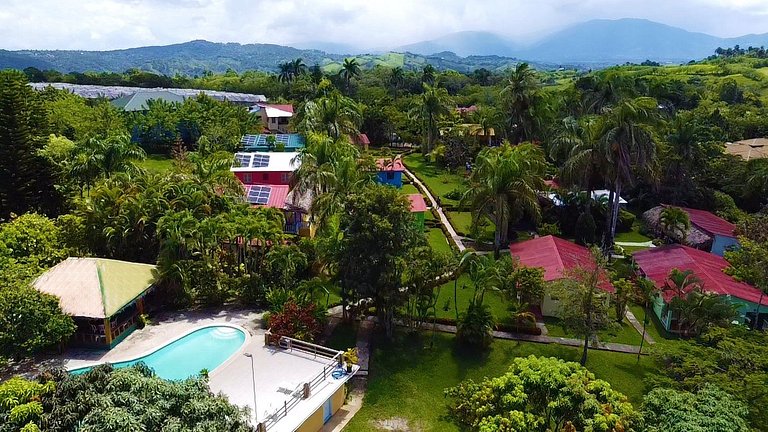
pixel 639 327
pixel 443 219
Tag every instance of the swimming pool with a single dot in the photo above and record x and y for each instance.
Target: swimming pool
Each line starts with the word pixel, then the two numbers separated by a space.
pixel 205 348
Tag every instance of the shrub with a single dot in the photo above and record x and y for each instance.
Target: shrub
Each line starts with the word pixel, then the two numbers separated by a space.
pixel 299 322
pixel 475 327
pixel 586 229
pixel 456 194
pixel 626 220
pixel 546 229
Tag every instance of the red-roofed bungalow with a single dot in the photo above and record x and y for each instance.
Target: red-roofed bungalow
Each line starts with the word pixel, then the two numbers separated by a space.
pixel 418 208
pixel 362 140
pixel 656 264
pixel 556 256
pixel 390 171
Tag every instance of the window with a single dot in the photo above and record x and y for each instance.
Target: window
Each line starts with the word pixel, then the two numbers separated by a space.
pixel 390 175
pixel 247 178
pixel 265 176
pixel 285 177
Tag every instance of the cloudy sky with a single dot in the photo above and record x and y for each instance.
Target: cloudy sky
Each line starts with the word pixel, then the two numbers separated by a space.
pixel 112 24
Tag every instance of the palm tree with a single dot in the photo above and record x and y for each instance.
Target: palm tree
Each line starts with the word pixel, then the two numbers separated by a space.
pixel 627 144
pixel 578 142
pixel 96 157
pixel 335 115
pixel 431 106
pixel 396 78
pixel 286 72
pixel 520 98
pixel 428 74
pixel 681 156
pixel 504 186
pixel 675 223
pixel 298 67
pixel 487 119
pixel 350 69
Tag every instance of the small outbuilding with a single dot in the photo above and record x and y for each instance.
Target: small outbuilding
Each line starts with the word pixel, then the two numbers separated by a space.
pixel 390 172
pixel 104 297
pixel 708 231
pixel 419 209
pixel 557 257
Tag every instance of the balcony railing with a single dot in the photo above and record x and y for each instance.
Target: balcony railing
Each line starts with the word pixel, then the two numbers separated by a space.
pixel 304 390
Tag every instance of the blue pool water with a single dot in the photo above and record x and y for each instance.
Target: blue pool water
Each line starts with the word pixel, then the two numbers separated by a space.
pixel 206 348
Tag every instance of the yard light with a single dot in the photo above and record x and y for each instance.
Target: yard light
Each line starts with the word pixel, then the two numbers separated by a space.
pixel 253 382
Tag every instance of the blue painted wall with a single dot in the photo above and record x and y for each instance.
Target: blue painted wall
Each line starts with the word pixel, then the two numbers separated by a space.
pixel 392 178
pixel 721 243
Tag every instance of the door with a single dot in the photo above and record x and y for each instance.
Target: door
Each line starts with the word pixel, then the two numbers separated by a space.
pixel 327 412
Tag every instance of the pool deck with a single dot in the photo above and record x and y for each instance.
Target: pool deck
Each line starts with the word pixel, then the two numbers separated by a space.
pixel 277 372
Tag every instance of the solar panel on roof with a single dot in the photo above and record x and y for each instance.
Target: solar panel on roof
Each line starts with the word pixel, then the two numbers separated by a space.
pixel 243 159
pixel 260 161
pixel 259 195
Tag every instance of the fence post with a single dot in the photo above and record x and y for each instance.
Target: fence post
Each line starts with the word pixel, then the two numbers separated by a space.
pixel 306 391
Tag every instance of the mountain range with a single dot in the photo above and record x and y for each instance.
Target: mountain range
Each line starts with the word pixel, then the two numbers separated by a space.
pixel 595 43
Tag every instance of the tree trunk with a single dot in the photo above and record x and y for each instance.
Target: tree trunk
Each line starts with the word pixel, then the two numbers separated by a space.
pixel 583 360
pixel 455 302
pixel 645 323
pixel 615 212
pixel 608 218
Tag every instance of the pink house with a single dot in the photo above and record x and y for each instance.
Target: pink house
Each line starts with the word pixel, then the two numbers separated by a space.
pixel 274 168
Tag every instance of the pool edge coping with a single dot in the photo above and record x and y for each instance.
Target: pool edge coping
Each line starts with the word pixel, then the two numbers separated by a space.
pixel 229 359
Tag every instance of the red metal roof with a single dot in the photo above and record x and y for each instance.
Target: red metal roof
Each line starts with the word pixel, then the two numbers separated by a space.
pixel 710 222
pixel 389 164
pixel 417 203
pixel 556 256
pixel 658 262
pixel 553 184
pixel 276 196
pixel 465 110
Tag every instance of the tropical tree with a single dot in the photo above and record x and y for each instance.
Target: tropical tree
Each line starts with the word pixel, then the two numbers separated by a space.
pixel 378 235
pixel 475 326
pixel 520 97
pixel 335 115
pixel 675 223
pixel 349 69
pixel 396 78
pixel 26 178
pixel 20 405
pixel 694 310
pixel 428 74
pixel 504 187
pixel 627 143
pixel 708 409
pixel 427 111
pixel 583 301
pixel 104 157
pixel 541 394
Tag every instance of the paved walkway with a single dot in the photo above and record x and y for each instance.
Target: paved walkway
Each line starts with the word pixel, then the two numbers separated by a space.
pixel 639 327
pixel 359 383
pixel 648 244
pixel 443 219
pixel 615 347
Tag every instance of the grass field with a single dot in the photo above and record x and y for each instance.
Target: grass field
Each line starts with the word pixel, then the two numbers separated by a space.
pixel 409 375
pixel 437 240
pixel 409 189
pixel 438 180
pixel 344 336
pixel 653 328
pixel 622 333
pixel 462 223
pixel 156 163
pixel 464 292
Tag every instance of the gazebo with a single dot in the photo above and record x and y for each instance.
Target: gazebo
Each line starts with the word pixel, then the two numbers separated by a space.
pixel 103 296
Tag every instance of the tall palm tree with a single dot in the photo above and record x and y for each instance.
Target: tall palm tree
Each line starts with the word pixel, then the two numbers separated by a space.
pixel 350 69
pixel 428 74
pixel 675 223
pixel 578 144
pixel 104 157
pixel 504 187
pixel 335 115
pixel 430 107
pixel 298 67
pixel 285 74
pixel 681 157
pixel 487 119
pixel 521 95
pixel 628 145
pixel 396 78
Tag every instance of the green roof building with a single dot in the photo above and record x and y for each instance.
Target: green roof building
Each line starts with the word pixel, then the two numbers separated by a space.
pixel 104 297
pixel 139 101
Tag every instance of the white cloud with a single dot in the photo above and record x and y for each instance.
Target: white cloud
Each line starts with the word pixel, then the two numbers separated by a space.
pixel 112 24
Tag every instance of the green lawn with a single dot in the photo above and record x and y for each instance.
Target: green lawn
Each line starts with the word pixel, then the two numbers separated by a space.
pixel 464 292
pixel 408 376
pixel 409 189
pixel 623 333
pixel 462 223
pixel 633 236
pixel 437 240
pixel 156 163
pixel 438 180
